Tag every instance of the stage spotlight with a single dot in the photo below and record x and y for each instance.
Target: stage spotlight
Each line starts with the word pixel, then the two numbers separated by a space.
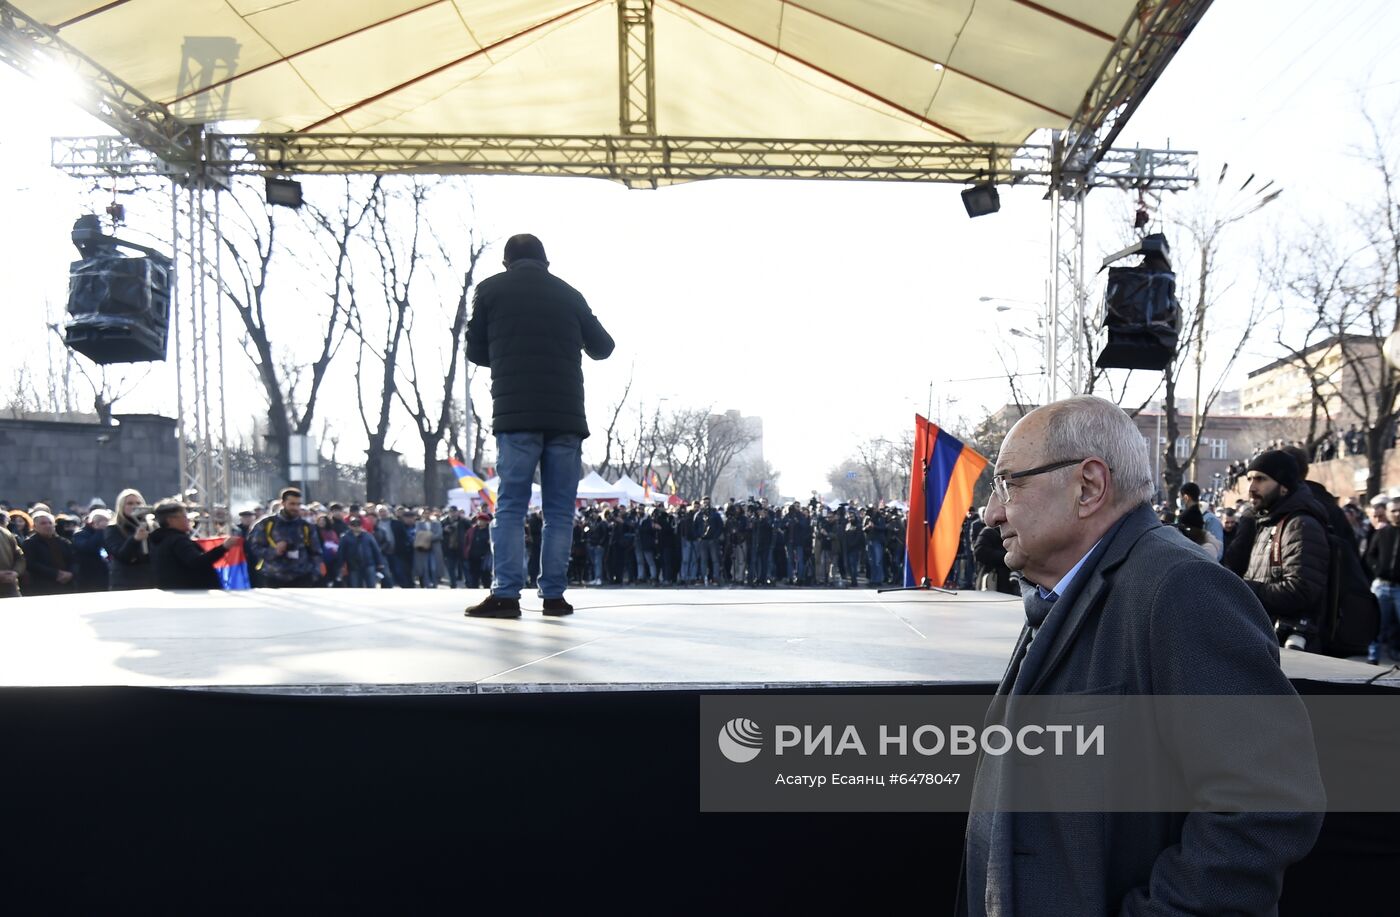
pixel 981 200
pixel 283 192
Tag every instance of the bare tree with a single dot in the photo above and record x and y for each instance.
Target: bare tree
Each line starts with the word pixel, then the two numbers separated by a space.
pixel 1357 296
pixel 850 481
pixel 698 446
pixel 432 416
pixel 290 385
pixel 612 435
pixel 398 256
pixel 761 478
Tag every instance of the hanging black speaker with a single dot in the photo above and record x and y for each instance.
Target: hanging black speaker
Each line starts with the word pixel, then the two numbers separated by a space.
pixel 1141 313
pixel 118 305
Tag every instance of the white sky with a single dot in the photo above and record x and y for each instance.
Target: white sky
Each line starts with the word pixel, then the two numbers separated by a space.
pixel 826 308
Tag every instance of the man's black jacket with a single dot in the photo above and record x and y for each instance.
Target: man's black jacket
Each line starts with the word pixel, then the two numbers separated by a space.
pixel 529 327
pixel 180 563
pixel 1380 553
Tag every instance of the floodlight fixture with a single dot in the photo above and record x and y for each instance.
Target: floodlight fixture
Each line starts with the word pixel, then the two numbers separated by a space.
pixel 981 200
pixel 284 192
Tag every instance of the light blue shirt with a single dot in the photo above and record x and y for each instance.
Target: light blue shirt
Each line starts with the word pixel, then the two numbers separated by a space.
pixel 1068 578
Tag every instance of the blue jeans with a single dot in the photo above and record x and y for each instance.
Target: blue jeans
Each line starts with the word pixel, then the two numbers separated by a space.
pixel 708 566
pixel 795 562
pixel 876 550
pixel 597 554
pixel 1388 597
pixel 646 564
pixel 557 455
pixel 688 552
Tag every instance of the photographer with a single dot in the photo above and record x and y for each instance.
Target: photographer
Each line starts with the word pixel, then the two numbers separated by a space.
pixel 762 540
pixel 128 552
pixel 822 524
pixel 286 546
pixel 798 535
pixel 875 532
pixel 736 538
pixel 854 546
pixel 709 532
pixel 178 560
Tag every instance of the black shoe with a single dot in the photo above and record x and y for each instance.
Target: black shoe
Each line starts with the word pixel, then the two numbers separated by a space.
pixel 494 606
pixel 557 607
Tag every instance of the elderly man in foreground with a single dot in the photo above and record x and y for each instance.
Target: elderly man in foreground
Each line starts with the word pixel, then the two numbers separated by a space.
pixel 1117 604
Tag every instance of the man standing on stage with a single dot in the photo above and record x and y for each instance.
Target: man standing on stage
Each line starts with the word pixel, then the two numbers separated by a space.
pixel 529 327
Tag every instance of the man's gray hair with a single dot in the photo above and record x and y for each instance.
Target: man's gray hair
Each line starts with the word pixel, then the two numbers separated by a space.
pixel 1084 425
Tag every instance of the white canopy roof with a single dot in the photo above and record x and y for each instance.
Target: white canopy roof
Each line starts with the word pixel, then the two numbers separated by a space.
pixel 595 487
pixel 901 70
pixel 636 493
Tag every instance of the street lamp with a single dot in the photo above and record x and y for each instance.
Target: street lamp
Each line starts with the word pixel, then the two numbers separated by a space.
pixel 1039 335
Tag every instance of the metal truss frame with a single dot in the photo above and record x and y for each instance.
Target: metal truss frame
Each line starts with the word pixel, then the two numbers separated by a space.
pixel 641 160
pixel 636 68
pixel 30 47
pixel 199 349
pixel 1139 55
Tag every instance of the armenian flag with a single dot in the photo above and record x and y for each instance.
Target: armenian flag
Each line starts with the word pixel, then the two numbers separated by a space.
pixel 940 494
pixel 232 567
pixel 468 481
pixel 671 483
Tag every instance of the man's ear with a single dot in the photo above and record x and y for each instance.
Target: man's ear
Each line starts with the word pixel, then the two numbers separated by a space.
pixel 1093 487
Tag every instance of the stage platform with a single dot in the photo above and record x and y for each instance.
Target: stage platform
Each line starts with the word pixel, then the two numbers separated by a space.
pixel 366 751
pixel 402 641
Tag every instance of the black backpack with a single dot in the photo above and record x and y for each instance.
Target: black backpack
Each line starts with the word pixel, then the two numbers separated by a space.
pixel 1351 615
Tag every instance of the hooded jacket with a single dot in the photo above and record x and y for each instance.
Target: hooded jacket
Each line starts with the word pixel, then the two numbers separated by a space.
pixel 1288 566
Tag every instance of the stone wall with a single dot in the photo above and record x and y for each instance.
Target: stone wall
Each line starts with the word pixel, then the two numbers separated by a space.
pixel 58 461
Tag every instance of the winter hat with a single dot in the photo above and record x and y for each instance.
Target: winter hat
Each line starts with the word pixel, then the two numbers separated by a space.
pixel 1278 465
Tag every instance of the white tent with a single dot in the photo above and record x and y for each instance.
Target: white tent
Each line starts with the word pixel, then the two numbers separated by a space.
pixel 595 487
pixel 636 493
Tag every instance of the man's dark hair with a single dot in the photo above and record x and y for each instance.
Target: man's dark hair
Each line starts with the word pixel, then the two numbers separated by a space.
pixel 524 245
pixel 289 492
pixel 1191 489
pixel 167 508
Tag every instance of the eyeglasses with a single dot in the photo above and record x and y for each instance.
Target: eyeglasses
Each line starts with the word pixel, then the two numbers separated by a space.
pixel 1003 493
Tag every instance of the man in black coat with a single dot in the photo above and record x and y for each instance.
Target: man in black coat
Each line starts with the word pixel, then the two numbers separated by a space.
pixel 53 563
pixel 179 562
pixel 530 328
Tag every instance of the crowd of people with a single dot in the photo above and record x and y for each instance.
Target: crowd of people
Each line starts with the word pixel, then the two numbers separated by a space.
pixel 290 543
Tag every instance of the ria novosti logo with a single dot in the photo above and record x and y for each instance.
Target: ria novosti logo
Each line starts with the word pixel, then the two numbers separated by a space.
pixel 741 740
